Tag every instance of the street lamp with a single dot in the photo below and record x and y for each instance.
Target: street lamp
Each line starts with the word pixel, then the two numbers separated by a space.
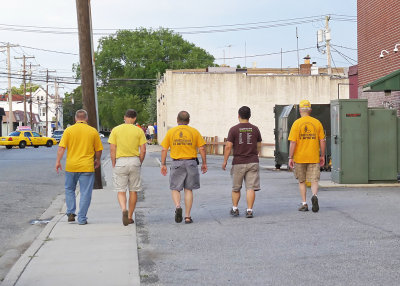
pixel 395 48
pixel 382 55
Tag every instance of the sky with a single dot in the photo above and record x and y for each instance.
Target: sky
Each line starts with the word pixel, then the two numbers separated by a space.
pixel 252 33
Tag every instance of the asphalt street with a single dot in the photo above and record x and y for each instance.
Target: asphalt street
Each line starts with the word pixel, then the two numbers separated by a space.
pixel 353 240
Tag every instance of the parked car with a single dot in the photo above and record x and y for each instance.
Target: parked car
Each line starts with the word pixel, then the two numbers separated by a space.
pixel 57 134
pixel 22 138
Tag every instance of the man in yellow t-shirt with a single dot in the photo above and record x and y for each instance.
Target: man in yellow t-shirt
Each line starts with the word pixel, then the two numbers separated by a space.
pixel 307 153
pixel 84 150
pixel 125 141
pixel 183 141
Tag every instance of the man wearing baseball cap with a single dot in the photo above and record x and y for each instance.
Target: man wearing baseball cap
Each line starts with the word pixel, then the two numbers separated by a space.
pixel 307 153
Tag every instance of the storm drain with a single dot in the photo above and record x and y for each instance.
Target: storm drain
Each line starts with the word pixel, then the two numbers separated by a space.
pixel 40 221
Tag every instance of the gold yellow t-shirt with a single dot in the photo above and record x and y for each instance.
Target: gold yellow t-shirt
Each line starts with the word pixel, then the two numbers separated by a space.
pixel 306 132
pixel 127 138
pixel 81 142
pixel 183 141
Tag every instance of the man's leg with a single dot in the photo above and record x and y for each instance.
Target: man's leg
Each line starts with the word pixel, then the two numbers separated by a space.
pixel 132 203
pixel 188 202
pixel 314 188
pixel 250 197
pixel 235 198
pixel 176 197
pixel 303 191
pixel 122 200
pixel 70 186
pixel 86 181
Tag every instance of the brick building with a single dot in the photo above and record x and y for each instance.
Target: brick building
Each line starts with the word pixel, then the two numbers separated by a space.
pixel 378 34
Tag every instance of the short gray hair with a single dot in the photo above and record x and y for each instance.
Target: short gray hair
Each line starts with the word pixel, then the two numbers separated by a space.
pixel 81 114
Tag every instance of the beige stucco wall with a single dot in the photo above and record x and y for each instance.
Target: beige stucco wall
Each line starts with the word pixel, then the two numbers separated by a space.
pixel 213 99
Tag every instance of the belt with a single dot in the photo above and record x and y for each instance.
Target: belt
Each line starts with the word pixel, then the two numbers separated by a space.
pixel 183 159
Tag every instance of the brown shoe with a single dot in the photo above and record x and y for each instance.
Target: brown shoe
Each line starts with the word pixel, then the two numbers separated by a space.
pixel 125 220
pixel 303 208
pixel 71 217
pixel 131 221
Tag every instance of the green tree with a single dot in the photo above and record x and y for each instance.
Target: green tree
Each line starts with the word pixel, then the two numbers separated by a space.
pixel 20 90
pixel 127 65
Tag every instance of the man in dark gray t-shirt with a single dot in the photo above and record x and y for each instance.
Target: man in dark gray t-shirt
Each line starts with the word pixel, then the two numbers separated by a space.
pixel 245 139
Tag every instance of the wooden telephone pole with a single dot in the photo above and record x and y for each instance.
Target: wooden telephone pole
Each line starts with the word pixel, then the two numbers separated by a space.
pixel 10 109
pixel 24 82
pixel 87 70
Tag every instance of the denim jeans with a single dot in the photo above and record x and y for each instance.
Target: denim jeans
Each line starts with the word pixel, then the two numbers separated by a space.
pixel 86 181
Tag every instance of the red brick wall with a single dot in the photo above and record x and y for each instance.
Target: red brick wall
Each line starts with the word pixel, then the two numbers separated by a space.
pixel 378 29
pixel 353 81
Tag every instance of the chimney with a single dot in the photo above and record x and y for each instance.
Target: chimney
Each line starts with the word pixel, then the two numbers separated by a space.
pixel 305 69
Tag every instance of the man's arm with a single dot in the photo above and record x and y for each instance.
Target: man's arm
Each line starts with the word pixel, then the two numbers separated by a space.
pixel 322 144
pixel 291 153
pixel 259 148
pixel 97 160
pixel 164 153
pixel 60 154
pixel 142 154
pixel 203 155
pixel 113 154
pixel 227 153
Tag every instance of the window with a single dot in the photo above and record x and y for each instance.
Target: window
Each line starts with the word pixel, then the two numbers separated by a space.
pixel 27 134
pixel 35 134
pixel 15 133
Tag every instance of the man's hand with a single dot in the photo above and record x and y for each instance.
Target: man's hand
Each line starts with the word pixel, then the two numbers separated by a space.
pixel 204 168
pixel 322 161
pixel 291 163
pixel 58 167
pixel 97 163
pixel 164 170
pixel 224 165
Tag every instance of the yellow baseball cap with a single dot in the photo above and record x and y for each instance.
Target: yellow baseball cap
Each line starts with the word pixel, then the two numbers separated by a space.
pixel 305 104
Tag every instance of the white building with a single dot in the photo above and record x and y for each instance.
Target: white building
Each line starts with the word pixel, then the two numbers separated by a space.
pixel 38 107
pixel 213 98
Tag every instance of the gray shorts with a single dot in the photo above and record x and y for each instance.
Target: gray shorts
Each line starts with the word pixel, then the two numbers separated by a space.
pixel 184 175
pixel 247 172
pixel 126 174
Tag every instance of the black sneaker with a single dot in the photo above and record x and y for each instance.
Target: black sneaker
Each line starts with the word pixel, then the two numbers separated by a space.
pixel 234 212
pixel 249 214
pixel 71 217
pixel 315 206
pixel 303 208
pixel 178 215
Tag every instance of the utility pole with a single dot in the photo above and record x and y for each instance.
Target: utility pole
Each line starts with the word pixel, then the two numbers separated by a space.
pixel 47 100
pixel 328 45
pixel 23 58
pixel 10 109
pixel 298 58
pixel 30 94
pixel 87 70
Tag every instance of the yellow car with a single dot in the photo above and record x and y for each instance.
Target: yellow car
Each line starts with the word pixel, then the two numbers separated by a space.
pixel 24 138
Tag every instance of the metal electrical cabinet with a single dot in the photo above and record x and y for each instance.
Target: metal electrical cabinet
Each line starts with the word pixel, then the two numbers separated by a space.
pixel 382 144
pixel 285 116
pixel 349 141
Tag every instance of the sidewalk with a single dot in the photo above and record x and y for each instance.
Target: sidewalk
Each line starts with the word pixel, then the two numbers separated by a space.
pixel 103 252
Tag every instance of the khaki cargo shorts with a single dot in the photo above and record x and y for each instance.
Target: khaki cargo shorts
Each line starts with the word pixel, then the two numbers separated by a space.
pixel 126 174
pixel 247 172
pixel 307 172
